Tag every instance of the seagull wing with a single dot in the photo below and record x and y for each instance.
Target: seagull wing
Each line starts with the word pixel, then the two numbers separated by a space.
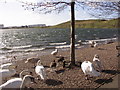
pixel 40 70
pixel 94 72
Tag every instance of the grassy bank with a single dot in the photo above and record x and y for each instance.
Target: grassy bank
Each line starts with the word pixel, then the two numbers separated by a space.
pixel 89 24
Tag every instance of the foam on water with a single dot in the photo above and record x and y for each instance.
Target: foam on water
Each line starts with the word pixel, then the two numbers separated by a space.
pixel 62 43
pixel 103 41
pixel 22 47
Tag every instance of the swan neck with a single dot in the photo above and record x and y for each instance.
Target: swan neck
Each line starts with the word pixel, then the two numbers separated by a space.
pixel 22 73
pixel 22 84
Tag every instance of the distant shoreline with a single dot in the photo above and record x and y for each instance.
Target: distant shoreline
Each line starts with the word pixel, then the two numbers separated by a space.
pixel 112 23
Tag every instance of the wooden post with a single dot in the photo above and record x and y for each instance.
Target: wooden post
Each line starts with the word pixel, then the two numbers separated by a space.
pixel 72 36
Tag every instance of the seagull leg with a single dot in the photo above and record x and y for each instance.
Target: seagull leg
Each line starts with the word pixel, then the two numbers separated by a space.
pixel 86 77
pixel 38 77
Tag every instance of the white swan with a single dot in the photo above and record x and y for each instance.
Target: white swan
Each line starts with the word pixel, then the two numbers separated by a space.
pixel 88 69
pixel 4 73
pixel 54 52
pixel 97 63
pixel 18 82
pixel 40 70
pixel 21 76
pixel 6 66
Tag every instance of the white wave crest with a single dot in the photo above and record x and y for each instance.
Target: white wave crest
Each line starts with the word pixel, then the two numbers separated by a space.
pixel 62 43
pixel 22 47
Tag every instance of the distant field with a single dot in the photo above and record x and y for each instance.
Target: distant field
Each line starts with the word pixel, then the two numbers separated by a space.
pixel 89 24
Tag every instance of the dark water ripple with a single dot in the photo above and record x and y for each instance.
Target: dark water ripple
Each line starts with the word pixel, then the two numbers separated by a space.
pixel 30 40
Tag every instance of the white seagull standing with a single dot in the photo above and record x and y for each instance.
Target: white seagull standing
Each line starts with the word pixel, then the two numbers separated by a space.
pixel 88 69
pixel 54 52
pixel 95 45
pixel 40 70
pixel 97 63
pixel 91 42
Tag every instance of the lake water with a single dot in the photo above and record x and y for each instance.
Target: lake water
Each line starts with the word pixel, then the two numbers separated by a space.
pixel 30 41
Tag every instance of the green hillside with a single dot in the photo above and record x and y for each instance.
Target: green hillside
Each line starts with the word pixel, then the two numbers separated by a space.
pixel 89 24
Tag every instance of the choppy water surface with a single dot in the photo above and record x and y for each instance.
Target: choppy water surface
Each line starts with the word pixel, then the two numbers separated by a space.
pixel 21 41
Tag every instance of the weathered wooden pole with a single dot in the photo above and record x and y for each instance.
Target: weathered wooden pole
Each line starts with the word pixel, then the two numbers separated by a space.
pixel 72 36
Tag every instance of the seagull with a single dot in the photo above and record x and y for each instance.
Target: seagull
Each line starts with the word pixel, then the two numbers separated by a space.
pixel 40 70
pixel 95 45
pixel 96 63
pixel 88 69
pixel 91 43
pixel 54 52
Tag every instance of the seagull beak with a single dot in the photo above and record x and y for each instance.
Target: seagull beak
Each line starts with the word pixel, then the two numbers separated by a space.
pixel 26 61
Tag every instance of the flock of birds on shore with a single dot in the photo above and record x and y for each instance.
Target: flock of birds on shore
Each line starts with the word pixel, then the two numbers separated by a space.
pixel 90 69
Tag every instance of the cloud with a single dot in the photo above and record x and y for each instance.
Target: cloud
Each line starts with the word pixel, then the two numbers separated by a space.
pixel 98 0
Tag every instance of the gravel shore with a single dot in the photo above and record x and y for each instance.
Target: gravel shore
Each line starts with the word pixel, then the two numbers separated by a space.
pixel 74 77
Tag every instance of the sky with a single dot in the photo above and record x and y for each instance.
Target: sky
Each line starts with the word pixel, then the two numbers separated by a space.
pixel 13 14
